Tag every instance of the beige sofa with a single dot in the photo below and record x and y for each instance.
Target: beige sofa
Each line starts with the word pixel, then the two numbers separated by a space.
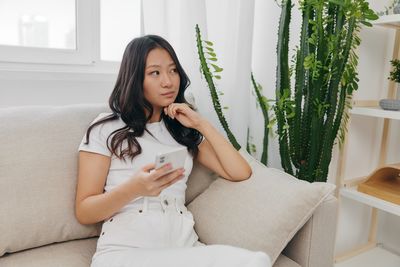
pixel 38 169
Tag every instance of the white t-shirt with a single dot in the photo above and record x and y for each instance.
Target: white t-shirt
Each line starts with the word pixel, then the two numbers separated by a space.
pixel 121 171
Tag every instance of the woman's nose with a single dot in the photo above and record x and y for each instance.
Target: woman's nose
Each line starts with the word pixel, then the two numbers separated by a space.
pixel 166 81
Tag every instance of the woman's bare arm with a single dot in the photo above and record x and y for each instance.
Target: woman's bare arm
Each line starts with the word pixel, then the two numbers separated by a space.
pixel 93 205
pixel 217 154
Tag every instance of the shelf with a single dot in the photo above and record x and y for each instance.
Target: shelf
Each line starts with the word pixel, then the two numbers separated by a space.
pixel 368 255
pixel 390 21
pixel 376 112
pixel 352 193
pixel 375 257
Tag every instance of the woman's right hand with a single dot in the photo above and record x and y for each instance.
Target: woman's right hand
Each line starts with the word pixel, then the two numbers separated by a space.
pixel 151 183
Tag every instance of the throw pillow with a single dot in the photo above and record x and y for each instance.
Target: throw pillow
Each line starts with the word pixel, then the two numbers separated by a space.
pixel 262 213
pixel 38 171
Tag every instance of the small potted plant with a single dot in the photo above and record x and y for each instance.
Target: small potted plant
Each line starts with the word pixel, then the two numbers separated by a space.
pixel 396 7
pixel 393 104
pixel 393 8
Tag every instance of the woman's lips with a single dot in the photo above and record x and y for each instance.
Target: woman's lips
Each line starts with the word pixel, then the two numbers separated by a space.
pixel 170 94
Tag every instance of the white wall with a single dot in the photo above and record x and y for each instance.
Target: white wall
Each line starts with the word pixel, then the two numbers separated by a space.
pixel 55 88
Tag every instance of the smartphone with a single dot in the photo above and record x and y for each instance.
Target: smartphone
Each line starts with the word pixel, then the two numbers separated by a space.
pixel 176 157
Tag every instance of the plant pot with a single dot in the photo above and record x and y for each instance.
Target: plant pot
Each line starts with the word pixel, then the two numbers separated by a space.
pixel 398 91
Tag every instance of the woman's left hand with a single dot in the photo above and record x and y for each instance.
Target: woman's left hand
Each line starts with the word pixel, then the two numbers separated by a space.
pixel 184 114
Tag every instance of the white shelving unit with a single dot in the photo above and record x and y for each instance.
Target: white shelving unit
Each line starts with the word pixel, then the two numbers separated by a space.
pixel 389 21
pixel 348 187
pixel 352 193
pixel 375 257
pixel 376 112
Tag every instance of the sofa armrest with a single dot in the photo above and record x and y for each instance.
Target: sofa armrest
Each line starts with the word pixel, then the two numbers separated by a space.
pixel 313 245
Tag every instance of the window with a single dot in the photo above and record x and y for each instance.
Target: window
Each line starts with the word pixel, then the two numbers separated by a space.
pixel 39 23
pixel 65 32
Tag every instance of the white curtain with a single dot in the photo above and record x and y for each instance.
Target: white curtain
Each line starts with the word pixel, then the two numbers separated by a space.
pixel 244 33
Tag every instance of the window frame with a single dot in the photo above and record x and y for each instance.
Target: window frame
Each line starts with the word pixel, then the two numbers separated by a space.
pixel 87 45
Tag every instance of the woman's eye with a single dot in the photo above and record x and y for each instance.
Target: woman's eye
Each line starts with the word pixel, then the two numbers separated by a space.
pixel 173 70
pixel 155 73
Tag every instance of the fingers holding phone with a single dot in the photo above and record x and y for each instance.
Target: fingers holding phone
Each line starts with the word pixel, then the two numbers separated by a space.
pixel 167 177
pixel 167 169
pixel 174 160
pixel 152 181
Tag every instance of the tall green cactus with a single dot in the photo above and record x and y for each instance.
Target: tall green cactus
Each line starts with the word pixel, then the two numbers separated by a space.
pixel 208 75
pixel 312 113
pixel 263 102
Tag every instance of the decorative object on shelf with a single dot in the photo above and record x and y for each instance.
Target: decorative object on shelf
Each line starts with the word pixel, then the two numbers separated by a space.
pixel 390 104
pixel 394 7
pixel 395 75
pixel 383 183
pixel 312 114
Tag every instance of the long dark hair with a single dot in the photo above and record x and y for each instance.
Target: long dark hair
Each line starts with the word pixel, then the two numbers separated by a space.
pixel 128 102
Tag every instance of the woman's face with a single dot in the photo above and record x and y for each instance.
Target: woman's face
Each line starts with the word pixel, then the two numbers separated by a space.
pixel 161 79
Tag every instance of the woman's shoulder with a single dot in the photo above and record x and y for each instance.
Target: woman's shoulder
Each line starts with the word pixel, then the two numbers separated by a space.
pixel 101 116
pixel 108 125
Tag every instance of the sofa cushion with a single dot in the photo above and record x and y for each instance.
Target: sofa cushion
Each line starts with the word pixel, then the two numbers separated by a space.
pixel 77 253
pixel 38 170
pixel 262 213
pixel 199 180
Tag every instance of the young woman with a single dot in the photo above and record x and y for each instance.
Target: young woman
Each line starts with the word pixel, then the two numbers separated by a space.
pixel 145 221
